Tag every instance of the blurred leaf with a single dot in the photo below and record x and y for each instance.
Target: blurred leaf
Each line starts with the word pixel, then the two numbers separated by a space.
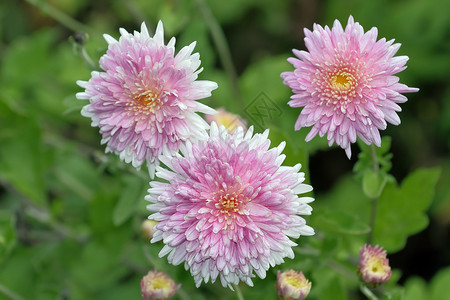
pixel 22 159
pixel 197 31
pixel 402 210
pixel 17 272
pixel 343 222
pixel 383 157
pixel 417 289
pixel 97 268
pixel 266 97
pixel 346 195
pixel 101 210
pixel 264 76
pixel 327 285
pixel 373 183
pixel 7 234
pixel 440 284
pixel 175 15
pixel 223 96
pixel 396 294
pixel 134 191
pixel 293 154
pixel 227 11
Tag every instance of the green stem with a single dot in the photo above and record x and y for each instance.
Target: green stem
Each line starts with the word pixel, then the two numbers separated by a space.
pixel 373 210
pixel 238 292
pixel 373 216
pixel 149 257
pixel 9 294
pixel 341 269
pixel 221 44
pixel 373 155
pixel 87 58
pixel 367 292
pixel 59 16
pixel 43 216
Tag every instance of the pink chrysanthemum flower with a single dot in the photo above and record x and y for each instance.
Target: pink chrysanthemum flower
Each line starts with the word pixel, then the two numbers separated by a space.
pixel 229 207
pixel 145 100
pixel 158 286
pixel 373 266
pixel 346 84
pixel 292 285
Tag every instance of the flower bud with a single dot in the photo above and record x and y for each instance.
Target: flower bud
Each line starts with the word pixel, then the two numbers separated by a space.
pixel 373 266
pixel 227 119
pixel 147 229
pixel 292 285
pixel 157 286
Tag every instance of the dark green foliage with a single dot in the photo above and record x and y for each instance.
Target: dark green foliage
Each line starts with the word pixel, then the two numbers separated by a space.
pixel 71 215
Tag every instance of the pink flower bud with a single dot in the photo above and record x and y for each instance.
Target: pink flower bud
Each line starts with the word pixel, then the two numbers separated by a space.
pixel 373 266
pixel 292 285
pixel 157 286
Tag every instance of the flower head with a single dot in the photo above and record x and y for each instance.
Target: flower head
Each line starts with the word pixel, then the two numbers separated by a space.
pixel 144 102
pixel 157 286
pixel 229 207
pixel 373 266
pixel 292 285
pixel 229 120
pixel 346 84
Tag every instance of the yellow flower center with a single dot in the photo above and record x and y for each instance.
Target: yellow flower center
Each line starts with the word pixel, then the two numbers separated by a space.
pixel 144 102
pixel 376 266
pixel 148 98
pixel 342 80
pixel 160 282
pixel 294 280
pixel 228 203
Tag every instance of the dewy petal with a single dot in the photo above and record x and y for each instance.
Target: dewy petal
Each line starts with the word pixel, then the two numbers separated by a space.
pixel 145 102
pixel 346 73
pixel 228 208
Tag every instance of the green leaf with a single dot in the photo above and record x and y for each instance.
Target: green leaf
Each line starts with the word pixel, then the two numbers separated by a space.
pixel 294 155
pixel 197 30
pixel 371 184
pixel 401 210
pixel 22 159
pixel 327 285
pixel 97 267
pixel 264 76
pixel 383 157
pixel 130 197
pixel 417 289
pixel 342 222
pixel 440 284
pixel 7 234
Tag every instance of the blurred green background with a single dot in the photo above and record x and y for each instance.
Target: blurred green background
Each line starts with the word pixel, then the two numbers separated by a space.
pixel 70 215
